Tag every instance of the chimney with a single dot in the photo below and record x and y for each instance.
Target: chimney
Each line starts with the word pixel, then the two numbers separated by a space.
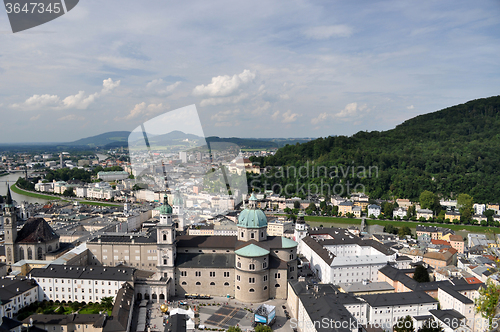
pixel 316 288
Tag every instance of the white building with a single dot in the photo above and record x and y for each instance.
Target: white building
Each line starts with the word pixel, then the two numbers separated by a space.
pixel 385 309
pixel 112 176
pixel 16 293
pixel 399 212
pixel 374 209
pixel 479 208
pixel 80 283
pixel 337 256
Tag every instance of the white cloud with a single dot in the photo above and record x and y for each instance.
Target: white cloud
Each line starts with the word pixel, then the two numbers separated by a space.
pixel 350 110
pixel 410 107
pixel 224 115
pixel 145 110
pixel 261 109
pixel 289 117
pixel 37 101
pixel 78 101
pixel 227 124
pixel 158 86
pixel 71 117
pixel 328 31
pixel 223 100
pixel 35 117
pixel 224 85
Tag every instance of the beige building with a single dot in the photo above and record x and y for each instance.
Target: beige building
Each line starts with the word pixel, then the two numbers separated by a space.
pixel 279 227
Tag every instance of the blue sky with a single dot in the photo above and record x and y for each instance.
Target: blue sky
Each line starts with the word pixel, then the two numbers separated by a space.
pixel 253 69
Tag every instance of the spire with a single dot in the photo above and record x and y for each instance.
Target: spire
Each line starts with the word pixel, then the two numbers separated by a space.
pixel 9 201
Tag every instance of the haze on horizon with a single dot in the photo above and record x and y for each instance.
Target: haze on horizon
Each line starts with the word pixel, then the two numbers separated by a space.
pixel 257 69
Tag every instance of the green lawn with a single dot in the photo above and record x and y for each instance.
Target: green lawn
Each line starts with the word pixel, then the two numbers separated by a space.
pixel 396 223
pixel 30 194
pixel 98 203
pixel 334 220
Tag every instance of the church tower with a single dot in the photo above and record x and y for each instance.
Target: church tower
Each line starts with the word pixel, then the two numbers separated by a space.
pixel 252 222
pixel 10 229
pixel 178 210
pixel 166 249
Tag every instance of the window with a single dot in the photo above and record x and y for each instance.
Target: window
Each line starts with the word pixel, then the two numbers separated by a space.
pixel 291 256
pixel 198 283
pixel 265 278
pixel 242 234
pixel 226 284
pixel 184 283
pixel 264 265
pixel 238 287
pixel 251 290
pixel 261 234
pixel 212 283
pixel 226 274
pixel 252 235
pixel 237 278
pixel 277 275
pixel 251 280
pixel 251 266
pixel 239 264
pixel 212 274
pixel 277 285
pixel 197 274
pixel 183 273
pixel 265 287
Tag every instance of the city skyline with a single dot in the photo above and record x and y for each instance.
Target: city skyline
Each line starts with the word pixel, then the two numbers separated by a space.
pixel 252 70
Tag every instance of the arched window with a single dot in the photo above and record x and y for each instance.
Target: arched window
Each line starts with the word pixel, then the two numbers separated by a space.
pixel 40 253
pixel 251 267
pixel 212 283
pixel 251 290
pixel 238 287
pixel 265 287
pixel 30 254
pixel 198 283
pixel 154 296
pixel 277 285
pixel 21 253
pixel 226 284
pixel 261 234
pixel 162 296
pixel 184 283
pixel 164 237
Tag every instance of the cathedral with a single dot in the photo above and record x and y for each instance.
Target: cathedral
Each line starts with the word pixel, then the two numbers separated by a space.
pixel 32 242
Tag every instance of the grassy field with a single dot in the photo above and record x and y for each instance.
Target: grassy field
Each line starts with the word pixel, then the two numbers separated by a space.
pixel 350 221
pixel 98 203
pixel 30 194
pixel 411 224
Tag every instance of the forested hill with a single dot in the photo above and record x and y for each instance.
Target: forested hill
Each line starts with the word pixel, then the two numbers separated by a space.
pixel 451 151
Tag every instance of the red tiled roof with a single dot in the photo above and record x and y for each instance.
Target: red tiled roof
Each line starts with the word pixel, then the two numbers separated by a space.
pixel 443 242
pixel 473 280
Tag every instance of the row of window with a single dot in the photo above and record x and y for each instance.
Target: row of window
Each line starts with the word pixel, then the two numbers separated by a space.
pixel 251 266
pixel 251 280
pixel 198 274
pixel 83 290
pixel 76 281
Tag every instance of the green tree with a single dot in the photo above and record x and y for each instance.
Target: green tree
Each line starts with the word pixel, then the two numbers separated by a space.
pixel 234 329
pixel 107 303
pixel 391 229
pixel 404 231
pixel 431 325
pixel 311 206
pixel 404 324
pixel 421 274
pixel 487 301
pixel 263 328
pixel 428 200
pixel 465 203
pixel 69 192
pixel 296 205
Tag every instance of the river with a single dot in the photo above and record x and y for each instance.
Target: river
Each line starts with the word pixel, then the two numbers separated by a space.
pixel 12 178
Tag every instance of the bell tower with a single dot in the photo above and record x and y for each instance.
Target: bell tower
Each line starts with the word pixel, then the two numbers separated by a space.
pixel 166 249
pixel 10 228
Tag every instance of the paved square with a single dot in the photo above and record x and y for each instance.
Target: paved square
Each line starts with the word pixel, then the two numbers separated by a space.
pixel 226 316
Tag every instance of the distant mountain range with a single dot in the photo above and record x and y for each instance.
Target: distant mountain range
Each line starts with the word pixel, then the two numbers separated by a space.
pixel 114 139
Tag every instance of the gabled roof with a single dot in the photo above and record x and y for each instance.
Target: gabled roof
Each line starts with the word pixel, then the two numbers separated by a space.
pixel 36 230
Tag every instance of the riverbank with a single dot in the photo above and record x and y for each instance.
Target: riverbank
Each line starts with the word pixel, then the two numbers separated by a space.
pixel 396 223
pixel 19 191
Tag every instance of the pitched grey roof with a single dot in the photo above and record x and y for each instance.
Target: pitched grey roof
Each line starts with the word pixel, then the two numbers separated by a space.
pixel 121 273
pixel 392 299
pixel 190 260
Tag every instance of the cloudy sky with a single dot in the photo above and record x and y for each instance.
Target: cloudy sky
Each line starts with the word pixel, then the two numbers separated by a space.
pixel 252 68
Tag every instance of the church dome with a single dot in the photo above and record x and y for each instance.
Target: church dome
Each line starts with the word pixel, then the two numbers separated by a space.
pixel 165 208
pixel 252 217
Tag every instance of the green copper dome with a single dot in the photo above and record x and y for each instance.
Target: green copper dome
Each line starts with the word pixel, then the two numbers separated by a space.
pixel 165 208
pixel 252 217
